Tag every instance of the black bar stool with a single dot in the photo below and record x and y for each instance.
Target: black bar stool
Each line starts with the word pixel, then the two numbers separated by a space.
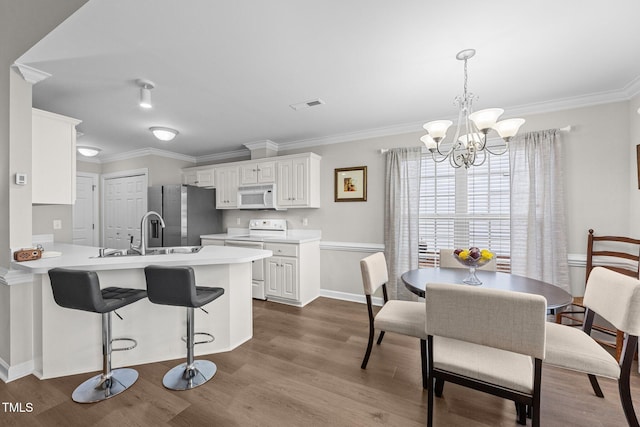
pixel 80 290
pixel 177 286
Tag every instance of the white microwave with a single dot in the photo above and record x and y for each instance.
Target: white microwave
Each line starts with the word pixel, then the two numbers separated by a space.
pixel 257 197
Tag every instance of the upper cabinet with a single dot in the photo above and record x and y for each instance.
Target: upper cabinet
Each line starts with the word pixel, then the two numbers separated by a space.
pixel 200 177
pixel 226 178
pixel 258 173
pixel 53 167
pixel 298 181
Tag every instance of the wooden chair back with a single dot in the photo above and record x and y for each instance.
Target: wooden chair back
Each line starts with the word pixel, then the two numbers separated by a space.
pixel 618 253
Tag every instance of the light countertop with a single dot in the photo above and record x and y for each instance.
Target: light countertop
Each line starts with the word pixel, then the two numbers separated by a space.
pixel 292 236
pixel 85 258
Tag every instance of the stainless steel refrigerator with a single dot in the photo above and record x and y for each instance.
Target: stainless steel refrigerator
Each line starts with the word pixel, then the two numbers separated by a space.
pixel 188 212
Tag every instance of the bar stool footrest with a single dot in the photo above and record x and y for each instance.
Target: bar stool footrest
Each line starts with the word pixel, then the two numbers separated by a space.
pixel 211 338
pixel 135 344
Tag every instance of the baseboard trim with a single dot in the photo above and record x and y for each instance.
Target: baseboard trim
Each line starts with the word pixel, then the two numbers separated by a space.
pixel 10 373
pixel 344 296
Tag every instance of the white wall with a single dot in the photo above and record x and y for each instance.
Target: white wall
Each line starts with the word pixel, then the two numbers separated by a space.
pixel 634 163
pixel 22 24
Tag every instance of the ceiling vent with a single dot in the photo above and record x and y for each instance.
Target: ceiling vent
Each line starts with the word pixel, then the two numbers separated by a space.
pixel 307 104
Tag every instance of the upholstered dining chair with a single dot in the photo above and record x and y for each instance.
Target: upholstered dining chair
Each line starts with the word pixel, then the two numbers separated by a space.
pixel 497 347
pixel 448 261
pixel 402 317
pixel 617 253
pixel 616 298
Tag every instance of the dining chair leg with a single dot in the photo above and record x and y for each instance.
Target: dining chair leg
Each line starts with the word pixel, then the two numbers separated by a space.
pixel 624 382
pixel 521 413
pixel 430 382
pixel 627 403
pixel 439 387
pixel 380 337
pixel 595 385
pixel 423 362
pixel 368 352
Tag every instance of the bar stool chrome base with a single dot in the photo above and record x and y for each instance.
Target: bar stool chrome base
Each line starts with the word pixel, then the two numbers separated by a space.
pixel 183 378
pixel 99 387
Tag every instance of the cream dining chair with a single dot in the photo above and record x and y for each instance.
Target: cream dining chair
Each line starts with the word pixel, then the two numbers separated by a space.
pixel 402 317
pixel 497 347
pixel 616 298
pixel 448 261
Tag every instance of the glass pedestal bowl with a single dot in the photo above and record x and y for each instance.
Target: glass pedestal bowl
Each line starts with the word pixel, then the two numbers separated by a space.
pixel 471 278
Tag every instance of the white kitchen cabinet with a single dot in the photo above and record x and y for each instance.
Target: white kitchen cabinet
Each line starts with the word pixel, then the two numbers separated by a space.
pixel 200 177
pixel 258 173
pixel 226 179
pixel 293 272
pixel 282 277
pixel 53 158
pixel 298 181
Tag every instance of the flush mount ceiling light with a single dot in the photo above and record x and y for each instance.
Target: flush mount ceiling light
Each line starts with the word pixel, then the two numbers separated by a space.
pixel 88 151
pixel 145 92
pixel 163 134
pixel 469 147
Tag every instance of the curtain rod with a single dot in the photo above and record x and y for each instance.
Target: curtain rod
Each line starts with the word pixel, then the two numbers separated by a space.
pixel 566 129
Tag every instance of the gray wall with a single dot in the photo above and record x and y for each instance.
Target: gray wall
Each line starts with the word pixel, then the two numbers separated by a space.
pixel 597 183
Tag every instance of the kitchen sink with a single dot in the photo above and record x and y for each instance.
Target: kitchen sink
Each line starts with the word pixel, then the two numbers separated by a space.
pixel 174 250
pixel 110 253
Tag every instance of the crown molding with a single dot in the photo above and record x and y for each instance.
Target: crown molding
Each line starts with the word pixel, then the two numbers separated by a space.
pixel 30 74
pixel 625 94
pixel 147 152
pixel 265 143
pixel 235 154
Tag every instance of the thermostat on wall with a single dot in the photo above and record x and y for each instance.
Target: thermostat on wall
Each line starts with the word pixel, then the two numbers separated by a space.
pixel 21 178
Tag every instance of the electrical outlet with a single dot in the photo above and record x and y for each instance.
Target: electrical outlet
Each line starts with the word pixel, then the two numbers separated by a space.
pixel 305 221
pixel 57 224
pixel 237 221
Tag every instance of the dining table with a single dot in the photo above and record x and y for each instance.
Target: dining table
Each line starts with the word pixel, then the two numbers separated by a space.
pixel 418 279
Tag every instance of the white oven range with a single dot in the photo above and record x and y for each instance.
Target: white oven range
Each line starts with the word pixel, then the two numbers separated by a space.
pixel 259 230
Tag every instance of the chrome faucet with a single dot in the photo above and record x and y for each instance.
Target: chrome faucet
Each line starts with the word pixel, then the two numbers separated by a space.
pixel 142 249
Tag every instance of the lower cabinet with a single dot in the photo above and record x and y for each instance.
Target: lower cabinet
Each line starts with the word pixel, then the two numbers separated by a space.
pixel 292 274
pixel 282 277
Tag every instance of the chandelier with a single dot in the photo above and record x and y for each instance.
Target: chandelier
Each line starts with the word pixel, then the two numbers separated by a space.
pixel 469 146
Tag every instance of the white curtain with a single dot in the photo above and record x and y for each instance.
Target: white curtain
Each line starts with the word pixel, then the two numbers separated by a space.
pixel 538 232
pixel 402 201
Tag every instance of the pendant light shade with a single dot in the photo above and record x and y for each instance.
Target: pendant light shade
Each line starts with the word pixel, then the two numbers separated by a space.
pixel 145 93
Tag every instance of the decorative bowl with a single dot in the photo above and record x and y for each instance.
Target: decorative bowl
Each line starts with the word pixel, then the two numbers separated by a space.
pixel 473 258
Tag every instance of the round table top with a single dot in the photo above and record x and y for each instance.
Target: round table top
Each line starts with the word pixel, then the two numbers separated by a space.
pixel 416 281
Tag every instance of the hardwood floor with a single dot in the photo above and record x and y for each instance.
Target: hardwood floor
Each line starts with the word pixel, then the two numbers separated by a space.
pixel 302 368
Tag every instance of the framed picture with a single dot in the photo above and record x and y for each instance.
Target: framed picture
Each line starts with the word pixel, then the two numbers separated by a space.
pixel 351 184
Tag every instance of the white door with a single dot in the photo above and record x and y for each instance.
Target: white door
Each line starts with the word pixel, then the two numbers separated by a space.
pixel 125 202
pixel 85 210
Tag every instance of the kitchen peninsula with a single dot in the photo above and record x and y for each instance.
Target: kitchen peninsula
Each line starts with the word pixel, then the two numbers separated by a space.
pixel 67 342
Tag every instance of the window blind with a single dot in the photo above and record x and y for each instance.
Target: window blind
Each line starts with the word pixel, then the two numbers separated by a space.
pixel 460 208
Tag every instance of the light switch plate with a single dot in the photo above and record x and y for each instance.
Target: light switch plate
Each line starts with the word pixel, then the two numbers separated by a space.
pixel 21 178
